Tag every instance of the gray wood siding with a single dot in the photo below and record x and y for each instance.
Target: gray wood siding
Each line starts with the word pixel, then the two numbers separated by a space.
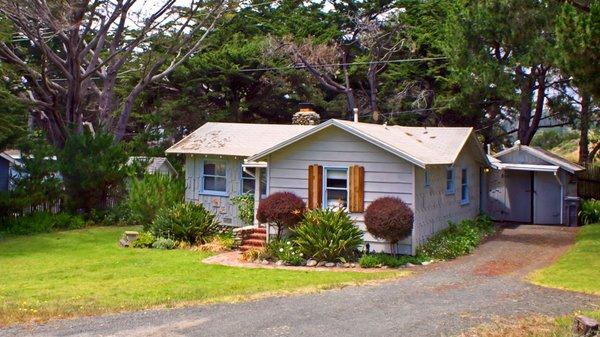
pixel 434 207
pixel 4 174
pixel 222 206
pixel 385 174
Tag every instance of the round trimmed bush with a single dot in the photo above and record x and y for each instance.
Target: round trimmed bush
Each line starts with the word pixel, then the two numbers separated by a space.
pixel 389 218
pixel 282 209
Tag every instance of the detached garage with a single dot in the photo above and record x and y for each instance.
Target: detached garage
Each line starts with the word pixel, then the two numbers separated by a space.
pixel 531 185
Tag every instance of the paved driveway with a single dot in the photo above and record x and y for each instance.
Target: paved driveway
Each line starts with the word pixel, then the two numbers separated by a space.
pixel 439 300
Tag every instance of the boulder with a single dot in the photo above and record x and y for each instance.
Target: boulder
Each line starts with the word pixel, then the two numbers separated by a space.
pixel 330 264
pixel 311 263
pixel 321 264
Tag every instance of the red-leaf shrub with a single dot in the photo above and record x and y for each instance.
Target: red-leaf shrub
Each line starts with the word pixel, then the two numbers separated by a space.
pixel 389 218
pixel 282 209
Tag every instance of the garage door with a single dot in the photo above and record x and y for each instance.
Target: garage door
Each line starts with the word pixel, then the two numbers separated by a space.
pixel 546 199
pixel 518 187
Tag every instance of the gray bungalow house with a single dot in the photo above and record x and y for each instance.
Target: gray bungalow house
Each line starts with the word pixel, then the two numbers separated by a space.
pixel 438 171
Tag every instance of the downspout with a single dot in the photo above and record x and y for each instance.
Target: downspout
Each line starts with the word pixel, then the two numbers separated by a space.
pixel 562 197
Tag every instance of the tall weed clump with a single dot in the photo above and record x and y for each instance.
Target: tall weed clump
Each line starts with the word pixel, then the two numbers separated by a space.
pixel 149 194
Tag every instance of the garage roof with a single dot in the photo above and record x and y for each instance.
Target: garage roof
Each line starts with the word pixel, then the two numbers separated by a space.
pixel 544 155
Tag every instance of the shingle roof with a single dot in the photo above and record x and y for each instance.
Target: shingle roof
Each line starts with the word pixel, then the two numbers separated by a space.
pixel 236 139
pixel 419 145
pixel 544 155
pixel 154 163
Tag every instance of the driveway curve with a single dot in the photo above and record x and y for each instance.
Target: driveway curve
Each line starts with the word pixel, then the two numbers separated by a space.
pixel 438 300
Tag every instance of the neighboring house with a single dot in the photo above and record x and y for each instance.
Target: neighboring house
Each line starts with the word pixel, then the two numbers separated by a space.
pixel 155 165
pixel 531 185
pixel 9 160
pixel 436 171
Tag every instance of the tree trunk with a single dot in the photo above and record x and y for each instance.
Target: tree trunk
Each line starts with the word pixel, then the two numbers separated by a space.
pixel 524 109
pixel 348 91
pixel 584 128
pixel 373 89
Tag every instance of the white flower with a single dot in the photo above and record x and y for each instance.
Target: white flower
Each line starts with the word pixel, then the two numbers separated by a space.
pixel 281 249
pixel 289 243
pixel 293 253
pixel 301 254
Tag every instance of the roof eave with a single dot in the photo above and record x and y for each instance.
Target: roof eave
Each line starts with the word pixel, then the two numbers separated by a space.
pixel 346 128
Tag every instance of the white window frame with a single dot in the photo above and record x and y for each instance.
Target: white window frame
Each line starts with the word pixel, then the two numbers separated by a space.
pixel 451 190
pixel 202 176
pixel 464 186
pixel 253 178
pixel 325 188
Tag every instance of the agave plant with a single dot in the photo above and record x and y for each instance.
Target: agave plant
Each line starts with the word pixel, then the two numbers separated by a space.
pixel 327 235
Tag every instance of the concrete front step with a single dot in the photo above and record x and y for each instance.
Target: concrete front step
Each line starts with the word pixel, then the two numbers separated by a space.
pixel 255 243
pixel 244 248
pixel 256 236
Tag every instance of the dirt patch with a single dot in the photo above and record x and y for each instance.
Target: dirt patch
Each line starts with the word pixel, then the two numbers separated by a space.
pixel 497 268
pixel 532 326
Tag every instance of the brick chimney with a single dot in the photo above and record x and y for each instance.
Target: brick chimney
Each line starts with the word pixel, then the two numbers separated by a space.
pixel 306 115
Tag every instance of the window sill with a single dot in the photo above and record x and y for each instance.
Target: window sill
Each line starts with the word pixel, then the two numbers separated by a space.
pixel 450 192
pixel 464 202
pixel 215 193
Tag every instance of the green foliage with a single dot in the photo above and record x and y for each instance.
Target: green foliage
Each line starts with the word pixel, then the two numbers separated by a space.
pixel 42 222
pixel 589 211
pixel 13 119
pixel 245 205
pixel 552 138
pixel 144 240
pixel 382 259
pixel 149 194
pixel 284 250
pixel 458 239
pixel 38 185
pixel 327 235
pixel 93 170
pixel 186 222
pixel 164 244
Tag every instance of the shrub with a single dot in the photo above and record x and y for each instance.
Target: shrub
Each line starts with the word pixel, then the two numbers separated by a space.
pixel 144 240
pixel 589 212
pixel 43 222
pixel 252 255
pixel 149 194
pixel 389 218
pixel 164 244
pixel 93 170
pixel 327 235
pixel 458 239
pixel 221 242
pixel 282 209
pixel 382 259
pixel 284 250
pixel 245 205
pixel 185 222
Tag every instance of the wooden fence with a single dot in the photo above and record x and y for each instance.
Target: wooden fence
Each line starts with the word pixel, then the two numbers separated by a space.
pixel 588 183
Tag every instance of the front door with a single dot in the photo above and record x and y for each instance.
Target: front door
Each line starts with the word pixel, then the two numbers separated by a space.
pixel 546 199
pixel 518 194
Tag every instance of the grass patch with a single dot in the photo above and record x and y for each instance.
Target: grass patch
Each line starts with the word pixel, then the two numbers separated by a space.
pixel 531 326
pixel 84 272
pixel 579 268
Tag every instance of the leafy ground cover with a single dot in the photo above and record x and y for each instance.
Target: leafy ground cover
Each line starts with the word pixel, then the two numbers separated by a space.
pixel 84 272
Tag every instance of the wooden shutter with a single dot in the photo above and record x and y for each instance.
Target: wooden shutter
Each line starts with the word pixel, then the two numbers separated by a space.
pixel 315 186
pixel 356 204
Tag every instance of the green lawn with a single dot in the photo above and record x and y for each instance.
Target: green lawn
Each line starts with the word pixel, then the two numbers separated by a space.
pixel 84 272
pixel 579 268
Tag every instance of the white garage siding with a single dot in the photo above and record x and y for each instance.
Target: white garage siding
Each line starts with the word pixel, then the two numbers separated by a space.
pixel 385 174
pixel 434 208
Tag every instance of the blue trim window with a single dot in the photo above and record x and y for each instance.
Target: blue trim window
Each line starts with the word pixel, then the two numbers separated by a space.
pixel 426 179
pixel 450 181
pixel 249 181
pixel 214 177
pixel 335 187
pixel 464 187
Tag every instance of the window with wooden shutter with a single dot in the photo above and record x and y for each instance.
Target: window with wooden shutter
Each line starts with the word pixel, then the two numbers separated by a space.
pixel 357 189
pixel 315 186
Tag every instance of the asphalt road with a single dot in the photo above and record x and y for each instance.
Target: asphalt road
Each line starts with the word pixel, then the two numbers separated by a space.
pixel 439 300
